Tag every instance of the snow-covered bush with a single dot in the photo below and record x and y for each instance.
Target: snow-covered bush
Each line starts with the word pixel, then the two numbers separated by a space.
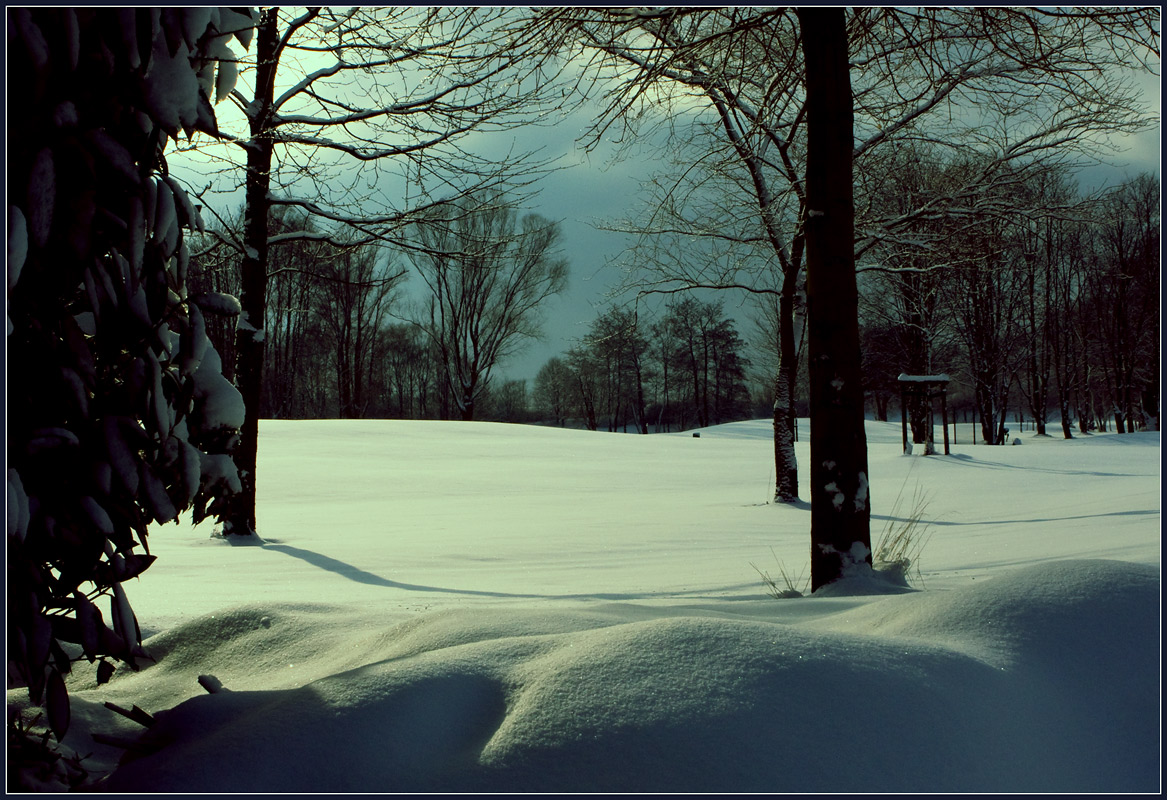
pixel 115 402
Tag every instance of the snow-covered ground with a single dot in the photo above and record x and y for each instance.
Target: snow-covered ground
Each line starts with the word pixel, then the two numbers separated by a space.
pixel 485 607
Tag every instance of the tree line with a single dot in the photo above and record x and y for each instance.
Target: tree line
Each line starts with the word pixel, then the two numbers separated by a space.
pixel 345 339
pixel 685 368
pixel 1049 308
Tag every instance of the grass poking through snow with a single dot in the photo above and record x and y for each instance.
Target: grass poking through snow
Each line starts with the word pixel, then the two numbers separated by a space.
pixel 895 558
pixel 897 553
pixel 788 588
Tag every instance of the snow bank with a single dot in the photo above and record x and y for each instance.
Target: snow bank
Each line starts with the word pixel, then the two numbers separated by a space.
pixel 1041 680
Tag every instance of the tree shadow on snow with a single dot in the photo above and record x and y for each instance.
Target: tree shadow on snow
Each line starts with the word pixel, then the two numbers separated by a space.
pixel 969 460
pixel 346 570
pixel 947 523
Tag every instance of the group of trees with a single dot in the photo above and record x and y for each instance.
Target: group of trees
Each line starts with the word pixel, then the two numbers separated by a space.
pixel 1003 92
pixel 1052 306
pixel 345 337
pixel 761 182
pixel 682 370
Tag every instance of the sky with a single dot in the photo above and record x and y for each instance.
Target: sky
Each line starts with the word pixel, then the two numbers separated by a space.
pixel 592 189
pixel 450 606
pixel 605 188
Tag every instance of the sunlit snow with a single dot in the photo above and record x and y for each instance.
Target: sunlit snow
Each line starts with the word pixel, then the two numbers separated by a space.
pixel 483 607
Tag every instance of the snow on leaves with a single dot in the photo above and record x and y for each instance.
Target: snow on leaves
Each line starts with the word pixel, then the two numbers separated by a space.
pixel 120 399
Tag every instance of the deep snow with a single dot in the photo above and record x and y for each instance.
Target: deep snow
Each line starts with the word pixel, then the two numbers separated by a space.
pixel 483 607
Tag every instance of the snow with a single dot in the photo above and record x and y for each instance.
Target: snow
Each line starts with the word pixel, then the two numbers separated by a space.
pixel 218 404
pixel 484 607
pixel 171 88
pixel 940 378
pixel 212 469
pixel 221 303
pixel 838 498
pixel 17 244
pixel 42 197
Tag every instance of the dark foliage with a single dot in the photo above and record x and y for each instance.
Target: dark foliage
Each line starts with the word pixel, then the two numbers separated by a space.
pixel 117 414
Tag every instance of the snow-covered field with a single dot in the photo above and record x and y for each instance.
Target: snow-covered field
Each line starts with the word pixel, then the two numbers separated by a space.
pixel 485 607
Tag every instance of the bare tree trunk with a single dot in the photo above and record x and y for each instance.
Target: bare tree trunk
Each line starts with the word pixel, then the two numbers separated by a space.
pixel 1064 408
pixel 840 515
pixel 589 406
pixel 785 461
pixel 240 515
pixel 641 418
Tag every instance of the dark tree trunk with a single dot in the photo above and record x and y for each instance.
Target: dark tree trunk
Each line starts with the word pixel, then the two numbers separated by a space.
pixel 840 515
pixel 1149 398
pixel 696 375
pixel 705 421
pixel 919 363
pixel 1038 345
pixel 239 517
pixel 785 461
pixel 642 419
pixel 589 406
pixel 1064 408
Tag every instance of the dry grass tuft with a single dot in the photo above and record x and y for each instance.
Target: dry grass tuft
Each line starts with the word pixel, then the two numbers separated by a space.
pixel 789 588
pixel 903 538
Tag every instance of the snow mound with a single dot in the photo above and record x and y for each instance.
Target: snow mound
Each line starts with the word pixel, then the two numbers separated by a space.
pixel 1043 679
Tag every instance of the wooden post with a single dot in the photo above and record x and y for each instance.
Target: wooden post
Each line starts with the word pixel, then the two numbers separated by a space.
pixel 944 416
pixel 904 413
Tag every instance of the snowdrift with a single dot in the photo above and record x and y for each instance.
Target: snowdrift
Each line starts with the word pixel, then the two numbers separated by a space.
pixel 1042 680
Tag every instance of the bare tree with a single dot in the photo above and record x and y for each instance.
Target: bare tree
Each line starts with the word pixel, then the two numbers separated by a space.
pixel 745 65
pixel 406 370
pixel 1047 285
pixel 507 402
pixel 619 347
pixel 1124 295
pixel 903 301
pixel 840 490
pixel 700 347
pixel 293 362
pixel 1065 243
pixel 354 296
pixel 488 273
pixel 373 105
pixel 987 293
pixel 552 392
pixel 585 373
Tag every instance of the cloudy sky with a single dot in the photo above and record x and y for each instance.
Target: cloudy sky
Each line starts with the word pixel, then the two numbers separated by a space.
pixel 590 189
pixel 605 186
